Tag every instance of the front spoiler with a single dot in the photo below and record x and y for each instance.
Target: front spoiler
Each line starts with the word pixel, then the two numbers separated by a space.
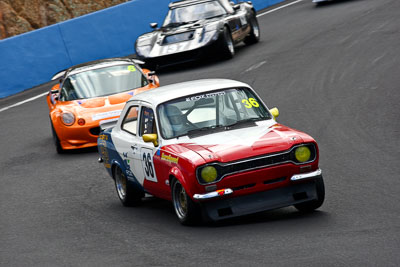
pixel 261 201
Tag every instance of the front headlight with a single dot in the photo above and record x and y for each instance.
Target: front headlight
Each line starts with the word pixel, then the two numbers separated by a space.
pixel 144 40
pixel 207 174
pixel 68 118
pixel 210 32
pixel 208 36
pixel 303 153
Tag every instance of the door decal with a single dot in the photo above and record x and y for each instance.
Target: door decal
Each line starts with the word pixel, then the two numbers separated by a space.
pixel 147 164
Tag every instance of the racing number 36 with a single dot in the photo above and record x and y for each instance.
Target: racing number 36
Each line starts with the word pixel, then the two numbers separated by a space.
pixel 147 164
pixel 251 102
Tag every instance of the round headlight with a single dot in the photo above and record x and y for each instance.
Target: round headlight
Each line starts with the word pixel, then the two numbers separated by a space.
pixel 68 118
pixel 209 174
pixel 302 154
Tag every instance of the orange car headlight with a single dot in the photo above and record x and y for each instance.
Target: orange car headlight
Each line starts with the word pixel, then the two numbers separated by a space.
pixel 68 118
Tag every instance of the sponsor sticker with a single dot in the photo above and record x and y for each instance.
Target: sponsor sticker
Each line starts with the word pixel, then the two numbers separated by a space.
pixel 169 158
pixel 108 114
pixel 204 96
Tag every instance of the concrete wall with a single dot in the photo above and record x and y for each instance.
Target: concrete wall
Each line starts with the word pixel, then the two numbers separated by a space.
pixel 32 58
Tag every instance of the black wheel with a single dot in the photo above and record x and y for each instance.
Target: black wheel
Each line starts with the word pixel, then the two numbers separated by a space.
pixel 187 211
pixel 314 204
pixel 127 193
pixel 254 35
pixel 56 140
pixel 228 48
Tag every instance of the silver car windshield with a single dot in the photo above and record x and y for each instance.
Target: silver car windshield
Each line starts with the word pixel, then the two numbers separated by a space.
pixel 102 82
pixel 217 110
pixel 186 14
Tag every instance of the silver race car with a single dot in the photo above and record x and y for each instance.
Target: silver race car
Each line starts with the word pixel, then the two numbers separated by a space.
pixel 195 29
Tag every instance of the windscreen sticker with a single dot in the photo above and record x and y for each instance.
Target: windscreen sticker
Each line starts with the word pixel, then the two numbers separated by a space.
pixel 204 96
pixel 131 68
pixel 250 103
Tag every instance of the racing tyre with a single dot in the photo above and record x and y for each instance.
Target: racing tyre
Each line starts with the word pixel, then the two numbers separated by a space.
pixel 127 193
pixel 228 48
pixel 56 140
pixel 187 211
pixel 314 204
pixel 254 35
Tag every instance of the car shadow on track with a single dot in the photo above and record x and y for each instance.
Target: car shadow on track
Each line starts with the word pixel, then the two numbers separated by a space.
pixel 86 150
pixel 163 209
pixel 333 2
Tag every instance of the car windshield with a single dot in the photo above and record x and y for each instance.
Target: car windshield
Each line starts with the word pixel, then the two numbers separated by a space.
pixel 210 111
pixel 186 14
pixel 102 81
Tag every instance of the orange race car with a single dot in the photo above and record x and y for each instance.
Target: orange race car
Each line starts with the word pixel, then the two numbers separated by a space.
pixel 92 94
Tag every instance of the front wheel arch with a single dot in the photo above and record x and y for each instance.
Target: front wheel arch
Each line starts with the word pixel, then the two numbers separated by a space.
pixel 187 211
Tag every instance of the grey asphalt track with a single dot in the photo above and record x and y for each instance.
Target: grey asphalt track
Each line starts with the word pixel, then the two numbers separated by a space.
pixel 332 70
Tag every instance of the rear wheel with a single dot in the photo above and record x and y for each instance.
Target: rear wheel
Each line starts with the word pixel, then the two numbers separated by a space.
pixel 314 204
pixel 254 35
pixel 228 48
pixel 56 140
pixel 127 193
pixel 186 210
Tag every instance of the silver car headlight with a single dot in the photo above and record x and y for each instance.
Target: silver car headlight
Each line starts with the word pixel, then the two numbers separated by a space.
pixel 144 40
pixel 68 118
pixel 208 36
pixel 210 32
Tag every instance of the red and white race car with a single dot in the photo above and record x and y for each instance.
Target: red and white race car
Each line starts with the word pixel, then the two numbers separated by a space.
pixel 214 149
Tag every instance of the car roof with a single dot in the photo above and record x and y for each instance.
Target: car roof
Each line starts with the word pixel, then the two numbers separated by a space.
pixel 101 62
pixel 95 63
pixel 186 3
pixel 169 92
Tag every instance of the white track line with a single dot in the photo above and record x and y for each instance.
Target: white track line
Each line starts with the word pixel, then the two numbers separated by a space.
pixel 275 9
pixel 23 102
pixel 35 97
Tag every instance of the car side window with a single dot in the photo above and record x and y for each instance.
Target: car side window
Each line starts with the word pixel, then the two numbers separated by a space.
pixel 147 121
pixel 68 91
pixel 129 123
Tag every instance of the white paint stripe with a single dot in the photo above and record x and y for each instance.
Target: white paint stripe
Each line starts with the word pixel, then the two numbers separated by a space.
pixel 23 102
pixel 275 9
pixel 256 66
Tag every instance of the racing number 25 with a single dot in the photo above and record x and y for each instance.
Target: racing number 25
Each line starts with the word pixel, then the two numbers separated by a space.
pixel 251 102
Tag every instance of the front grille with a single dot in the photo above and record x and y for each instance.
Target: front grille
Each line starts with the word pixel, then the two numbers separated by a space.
pixel 95 130
pixel 243 187
pixel 256 163
pixel 180 37
pixel 277 180
pixel 224 169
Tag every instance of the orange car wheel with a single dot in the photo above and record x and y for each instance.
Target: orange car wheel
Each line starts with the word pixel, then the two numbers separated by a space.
pixel 56 140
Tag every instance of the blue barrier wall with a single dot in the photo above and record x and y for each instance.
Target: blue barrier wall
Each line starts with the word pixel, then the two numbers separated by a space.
pixel 32 58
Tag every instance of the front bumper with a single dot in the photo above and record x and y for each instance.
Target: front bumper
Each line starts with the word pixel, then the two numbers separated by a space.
pixel 223 208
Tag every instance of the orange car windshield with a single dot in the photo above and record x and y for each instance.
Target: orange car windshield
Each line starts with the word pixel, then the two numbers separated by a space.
pixel 101 82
